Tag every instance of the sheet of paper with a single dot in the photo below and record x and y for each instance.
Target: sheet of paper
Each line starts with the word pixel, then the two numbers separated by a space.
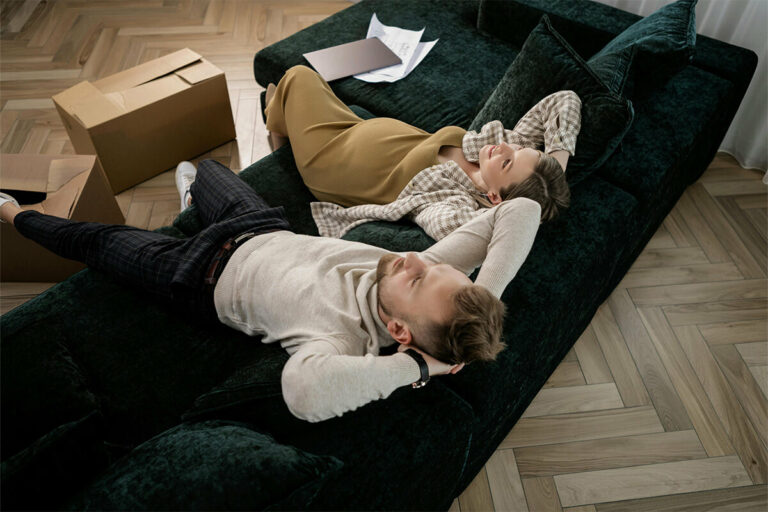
pixel 404 43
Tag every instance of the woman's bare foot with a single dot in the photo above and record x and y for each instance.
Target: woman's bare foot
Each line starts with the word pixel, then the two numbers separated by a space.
pixel 271 88
pixel 276 140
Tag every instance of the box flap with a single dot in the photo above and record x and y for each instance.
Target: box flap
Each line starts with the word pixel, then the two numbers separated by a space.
pixel 22 173
pixel 63 170
pixel 199 71
pixel 75 94
pixel 96 109
pixel 144 94
pixel 143 73
pixel 61 202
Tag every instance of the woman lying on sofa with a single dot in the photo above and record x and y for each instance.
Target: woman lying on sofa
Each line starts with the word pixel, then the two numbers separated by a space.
pixel 385 169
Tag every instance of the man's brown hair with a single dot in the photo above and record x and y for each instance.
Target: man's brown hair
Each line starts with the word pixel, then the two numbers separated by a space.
pixel 474 332
pixel 547 186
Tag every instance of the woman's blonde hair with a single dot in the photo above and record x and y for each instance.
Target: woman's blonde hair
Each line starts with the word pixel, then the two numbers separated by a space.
pixel 547 186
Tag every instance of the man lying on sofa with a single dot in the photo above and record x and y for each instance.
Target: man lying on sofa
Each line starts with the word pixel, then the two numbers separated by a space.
pixel 331 303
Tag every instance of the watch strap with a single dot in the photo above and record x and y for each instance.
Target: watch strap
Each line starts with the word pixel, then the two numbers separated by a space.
pixel 423 368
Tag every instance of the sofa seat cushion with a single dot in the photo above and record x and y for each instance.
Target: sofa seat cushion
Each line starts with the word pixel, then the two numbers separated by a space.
pixel 144 361
pixel 211 465
pixel 671 125
pixel 456 88
pixel 418 419
pixel 44 385
pixel 43 475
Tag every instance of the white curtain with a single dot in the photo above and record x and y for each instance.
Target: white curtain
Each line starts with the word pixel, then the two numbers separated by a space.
pixel 741 23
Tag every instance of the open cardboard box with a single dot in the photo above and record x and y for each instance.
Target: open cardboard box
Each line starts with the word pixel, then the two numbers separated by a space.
pixel 146 119
pixel 68 186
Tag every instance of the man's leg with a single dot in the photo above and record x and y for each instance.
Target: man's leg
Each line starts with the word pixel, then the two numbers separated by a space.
pixel 220 194
pixel 132 256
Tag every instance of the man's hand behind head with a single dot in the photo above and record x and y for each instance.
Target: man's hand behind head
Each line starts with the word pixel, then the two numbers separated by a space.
pixel 435 366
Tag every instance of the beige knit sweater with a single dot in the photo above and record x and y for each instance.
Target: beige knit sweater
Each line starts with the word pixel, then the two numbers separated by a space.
pixel 318 298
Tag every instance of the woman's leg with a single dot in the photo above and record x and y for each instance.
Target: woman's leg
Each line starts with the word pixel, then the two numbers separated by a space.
pixel 305 109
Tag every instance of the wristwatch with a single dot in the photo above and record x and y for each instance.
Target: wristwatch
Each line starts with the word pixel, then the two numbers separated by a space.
pixel 423 368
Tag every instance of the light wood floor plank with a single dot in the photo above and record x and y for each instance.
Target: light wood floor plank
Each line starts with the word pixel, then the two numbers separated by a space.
pixel 754 354
pixel 504 481
pixel 652 480
pixel 753 240
pixel 591 358
pixel 616 452
pixel 679 232
pixel 705 237
pixel 742 432
pixel 541 495
pixel 477 496
pixel 737 187
pixel 680 275
pixel 582 426
pixel 715 217
pixel 752 201
pixel 699 292
pixel 761 376
pixel 672 257
pixel 669 407
pixel 735 332
pixel 703 416
pixel 583 508
pixel 662 239
pixel 738 499
pixel 758 217
pixel 744 386
pixel 590 397
pixel 567 373
pixel 717 312
pixel 625 373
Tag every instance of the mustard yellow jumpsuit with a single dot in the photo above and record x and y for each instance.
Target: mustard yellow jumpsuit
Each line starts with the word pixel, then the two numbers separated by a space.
pixel 342 158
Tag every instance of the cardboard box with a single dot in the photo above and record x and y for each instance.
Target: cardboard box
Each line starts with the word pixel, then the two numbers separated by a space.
pixel 145 120
pixel 69 186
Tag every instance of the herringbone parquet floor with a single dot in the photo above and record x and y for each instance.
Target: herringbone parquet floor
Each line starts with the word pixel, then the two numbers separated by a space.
pixel 661 404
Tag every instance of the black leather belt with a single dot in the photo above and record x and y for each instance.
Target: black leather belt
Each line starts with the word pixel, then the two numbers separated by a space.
pixel 222 256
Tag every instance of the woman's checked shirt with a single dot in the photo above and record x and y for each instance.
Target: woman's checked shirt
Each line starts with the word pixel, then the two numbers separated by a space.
pixel 442 197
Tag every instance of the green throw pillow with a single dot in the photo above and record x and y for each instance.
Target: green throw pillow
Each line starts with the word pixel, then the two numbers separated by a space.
pixel 614 69
pixel 665 41
pixel 546 64
pixel 211 465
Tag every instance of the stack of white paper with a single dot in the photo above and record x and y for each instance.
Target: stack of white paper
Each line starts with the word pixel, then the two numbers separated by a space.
pixel 404 43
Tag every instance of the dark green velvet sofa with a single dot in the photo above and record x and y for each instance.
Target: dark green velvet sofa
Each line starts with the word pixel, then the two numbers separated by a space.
pixel 111 400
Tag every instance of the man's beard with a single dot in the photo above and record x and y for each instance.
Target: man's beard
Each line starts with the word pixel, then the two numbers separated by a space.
pixel 385 263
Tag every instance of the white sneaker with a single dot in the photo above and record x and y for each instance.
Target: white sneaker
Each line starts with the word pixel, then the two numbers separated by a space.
pixel 185 175
pixel 6 198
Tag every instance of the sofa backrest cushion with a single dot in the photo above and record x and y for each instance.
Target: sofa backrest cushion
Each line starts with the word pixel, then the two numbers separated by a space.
pixel 665 39
pixel 546 64
pixel 211 465
pixel 512 21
